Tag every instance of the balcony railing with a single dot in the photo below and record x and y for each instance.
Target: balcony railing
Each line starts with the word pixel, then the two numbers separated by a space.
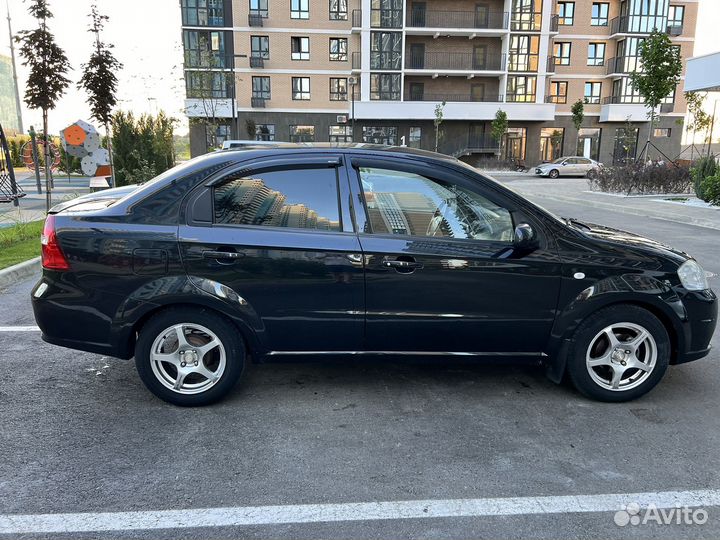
pixel 386 18
pixel 458 61
pixel 258 102
pixel 523 62
pixel 638 24
pixel 525 21
pixel 520 98
pixel 623 64
pixel 482 142
pixel 356 60
pixel 623 100
pixel 255 19
pixel 551 63
pixel 667 107
pixel 257 62
pixel 455 98
pixel 424 18
pixel 675 29
pixel 556 99
pixel 357 18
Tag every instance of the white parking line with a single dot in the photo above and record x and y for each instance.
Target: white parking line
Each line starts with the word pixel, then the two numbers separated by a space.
pixel 319 513
pixel 19 329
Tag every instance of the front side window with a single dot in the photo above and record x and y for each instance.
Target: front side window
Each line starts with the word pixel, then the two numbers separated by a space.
pixel 380 135
pixel 592 92
pixel 264 132
pixel 566 13
pixel 408 204
pixel 558 92
pixel 299 9
pixel 296 199
pixel 599 14
pixel 300 48
pixel 261 87
pixel 300 134
pixel 338 49
pixel 562 53
pixel 385 86
pixel 338 89
pixel 259 7
pixel 340 134
pixel 301 88
pixel 596 54
pixel 260 47
pixel 338 10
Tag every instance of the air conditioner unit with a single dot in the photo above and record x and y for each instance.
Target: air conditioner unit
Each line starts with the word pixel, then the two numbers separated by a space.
pixel 341 119
pixel 352 80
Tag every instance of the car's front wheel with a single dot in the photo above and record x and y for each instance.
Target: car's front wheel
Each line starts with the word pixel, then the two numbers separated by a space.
pixel 618 354
pixel 554 173
pixel 189 356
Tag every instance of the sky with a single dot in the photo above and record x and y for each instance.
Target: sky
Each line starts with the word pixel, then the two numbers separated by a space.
pixel 146 35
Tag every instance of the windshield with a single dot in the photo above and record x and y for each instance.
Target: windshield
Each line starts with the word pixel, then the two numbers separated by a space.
pixel 559 160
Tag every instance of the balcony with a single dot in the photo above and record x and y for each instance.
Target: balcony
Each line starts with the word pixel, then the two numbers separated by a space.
pixel 255 19
pixel 454 61
pixel 623 108
pixel 257 62
pixel 425 21
pixel 258 102
pixel 473 110
pixel 638 24
pixel 455 98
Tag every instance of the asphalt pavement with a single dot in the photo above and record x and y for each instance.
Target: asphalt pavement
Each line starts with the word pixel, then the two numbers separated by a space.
pixel 442 450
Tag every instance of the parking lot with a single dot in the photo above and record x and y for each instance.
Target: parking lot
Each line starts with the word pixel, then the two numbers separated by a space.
pixel 441 450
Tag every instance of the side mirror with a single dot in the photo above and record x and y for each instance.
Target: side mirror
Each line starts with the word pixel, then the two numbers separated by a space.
pixel 524 237
pixel 564 163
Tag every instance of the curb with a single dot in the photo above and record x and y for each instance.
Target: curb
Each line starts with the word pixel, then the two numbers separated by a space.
pixel 13 274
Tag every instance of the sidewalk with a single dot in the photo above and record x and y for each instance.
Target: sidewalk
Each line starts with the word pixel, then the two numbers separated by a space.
pixel 576 190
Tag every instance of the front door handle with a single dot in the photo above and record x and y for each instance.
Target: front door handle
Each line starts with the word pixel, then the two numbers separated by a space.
pixel 232 255
pixel 405 265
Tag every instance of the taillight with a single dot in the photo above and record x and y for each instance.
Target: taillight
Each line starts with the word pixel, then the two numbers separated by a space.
pixel 52 255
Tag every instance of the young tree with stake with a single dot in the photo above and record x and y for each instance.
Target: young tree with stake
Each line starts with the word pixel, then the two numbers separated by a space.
pixel 578 116
pixel 100 81
pixel 47 81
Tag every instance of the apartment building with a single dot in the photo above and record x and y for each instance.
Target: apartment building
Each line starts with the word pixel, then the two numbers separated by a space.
pixel 375 71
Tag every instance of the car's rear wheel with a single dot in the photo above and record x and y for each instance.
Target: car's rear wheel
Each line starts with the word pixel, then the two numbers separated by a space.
pixel 554 173
pixel 592 173
pixel 618 354
pixel 189 356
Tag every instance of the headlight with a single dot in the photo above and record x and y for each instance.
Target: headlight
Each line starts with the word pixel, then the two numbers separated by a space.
pixel 692 276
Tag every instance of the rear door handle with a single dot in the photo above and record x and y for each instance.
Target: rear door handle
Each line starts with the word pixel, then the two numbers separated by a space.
pixel 209 254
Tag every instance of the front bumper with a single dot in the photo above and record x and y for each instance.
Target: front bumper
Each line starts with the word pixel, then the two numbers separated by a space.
pixel 541 172
pixel 701 308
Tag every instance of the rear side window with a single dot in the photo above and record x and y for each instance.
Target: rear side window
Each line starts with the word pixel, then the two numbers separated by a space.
pixel 297 199
pixel 401 203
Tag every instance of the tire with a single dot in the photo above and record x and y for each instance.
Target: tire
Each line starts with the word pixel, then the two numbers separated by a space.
pixel 594 360
pixel 554 173
pixel 211 363
pixel 592 173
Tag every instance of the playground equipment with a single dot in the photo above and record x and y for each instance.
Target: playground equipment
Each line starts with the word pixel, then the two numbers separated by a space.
pixel 9 190
pixel 81 140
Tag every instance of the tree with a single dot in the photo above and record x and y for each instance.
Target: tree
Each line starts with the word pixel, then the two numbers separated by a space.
pixel 699 119
pixel 439 108
pixel 48 67
pixel 498 127
pixel 99 79
pixel 578 116
pixel 660 75
pixel 251 128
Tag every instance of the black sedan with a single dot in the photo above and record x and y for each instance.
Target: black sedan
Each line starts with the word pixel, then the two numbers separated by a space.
pixel 345 251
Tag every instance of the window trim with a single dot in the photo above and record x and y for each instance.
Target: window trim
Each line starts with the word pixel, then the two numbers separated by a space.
pixel 292 89
pixel 338 54
pixel 297 14
pixel 599 17
pixel 563 18
pixel 300 52
pixel 594 59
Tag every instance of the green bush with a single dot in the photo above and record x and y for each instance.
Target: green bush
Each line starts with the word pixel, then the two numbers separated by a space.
pixel 711 189
pixel 702 169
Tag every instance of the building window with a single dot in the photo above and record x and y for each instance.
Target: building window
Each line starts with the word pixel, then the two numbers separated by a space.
pixel 515 142
pixel 562 53
pixel 526 15
pixel 203 12
pixel 596 54
pixel 592 92
pixel 338 89
pixel 521 88
pixel 206 84
pixel 385 86
pixel 558 92
pixel 260 47
pixel 599 15
pixel 298 199
pixel 524 53
pixel 259 7
pixel 338 10
pixel 301 88
pixel 566 13
pixel 261 87
pixel 415 137
pixel 662 132
pixel 341 134
pixel 264 132
pixel 589 143
pixel 625 145
pixel 551 143
pixel 676 14
pixel 299 134
pixel 380 135
pixel 215 136
pixel 338 49
pixel 385 50
pixel 204 48
pixel 299 9
pixel 386 13
pixel 300 48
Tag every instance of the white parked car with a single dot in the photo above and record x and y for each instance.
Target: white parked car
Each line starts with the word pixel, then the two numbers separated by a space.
pixel 568 166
